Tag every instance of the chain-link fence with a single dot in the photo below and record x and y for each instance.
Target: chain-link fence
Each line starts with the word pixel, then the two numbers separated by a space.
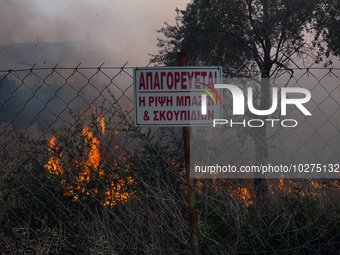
pixel 77 177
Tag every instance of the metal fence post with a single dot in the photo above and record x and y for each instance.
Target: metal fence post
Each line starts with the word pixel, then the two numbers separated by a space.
pixel 193 220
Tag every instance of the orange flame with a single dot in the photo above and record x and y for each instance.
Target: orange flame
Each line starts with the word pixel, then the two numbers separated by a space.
pixel 54 164
pixel 115 192
pixel 243 195
pixel 94 154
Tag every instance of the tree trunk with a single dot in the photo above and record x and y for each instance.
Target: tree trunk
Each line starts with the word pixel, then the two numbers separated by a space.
pixel 261 147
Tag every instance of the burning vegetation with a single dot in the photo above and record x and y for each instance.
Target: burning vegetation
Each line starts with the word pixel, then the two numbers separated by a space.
pixel 241 192
pixel 86 173
pixel 85 166
pixel 83 171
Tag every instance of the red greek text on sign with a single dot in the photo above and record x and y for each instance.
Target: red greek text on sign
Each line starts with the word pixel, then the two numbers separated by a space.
pixel 176 80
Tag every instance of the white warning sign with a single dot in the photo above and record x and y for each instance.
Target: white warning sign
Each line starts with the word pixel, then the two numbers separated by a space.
pixel 172 96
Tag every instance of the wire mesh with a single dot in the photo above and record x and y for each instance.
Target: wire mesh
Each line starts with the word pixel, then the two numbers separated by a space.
pixel 77 176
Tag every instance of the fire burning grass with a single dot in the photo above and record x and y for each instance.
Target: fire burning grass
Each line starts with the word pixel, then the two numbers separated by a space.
pixel 89 169
pixel 242 194
pixel 82 173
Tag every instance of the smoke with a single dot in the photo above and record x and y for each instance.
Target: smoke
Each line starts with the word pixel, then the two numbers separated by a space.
pixel 27 22
pixel 44 33
pixel 120 30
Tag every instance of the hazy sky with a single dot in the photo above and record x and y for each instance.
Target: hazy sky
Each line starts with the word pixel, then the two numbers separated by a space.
pixel 122 30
